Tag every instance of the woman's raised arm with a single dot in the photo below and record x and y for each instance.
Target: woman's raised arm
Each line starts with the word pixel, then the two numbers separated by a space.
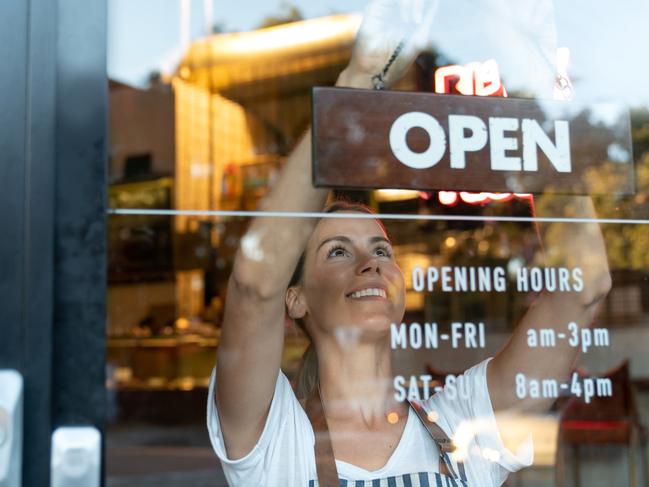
pixel 575 246
pixel 250 349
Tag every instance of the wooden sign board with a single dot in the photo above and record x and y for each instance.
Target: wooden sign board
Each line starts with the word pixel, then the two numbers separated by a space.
pixel 365 139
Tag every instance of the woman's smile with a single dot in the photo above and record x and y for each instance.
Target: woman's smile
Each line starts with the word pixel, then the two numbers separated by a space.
pixel 369 291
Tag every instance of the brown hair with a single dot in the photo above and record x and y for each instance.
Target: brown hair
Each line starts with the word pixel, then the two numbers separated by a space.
pixel 307 378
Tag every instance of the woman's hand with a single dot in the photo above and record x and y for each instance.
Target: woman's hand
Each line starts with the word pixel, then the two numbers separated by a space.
pixel 386 25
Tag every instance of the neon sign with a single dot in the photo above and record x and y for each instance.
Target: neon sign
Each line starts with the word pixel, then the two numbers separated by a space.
pixel 450 198
pixel 480 79
pixel 473 79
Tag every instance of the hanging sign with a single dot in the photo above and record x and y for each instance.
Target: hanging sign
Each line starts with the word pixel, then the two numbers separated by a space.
pixel 366 139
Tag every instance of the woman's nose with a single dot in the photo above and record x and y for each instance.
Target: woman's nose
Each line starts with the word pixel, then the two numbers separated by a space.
pixel 368 265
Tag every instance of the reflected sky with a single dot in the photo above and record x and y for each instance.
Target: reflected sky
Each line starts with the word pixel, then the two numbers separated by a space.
pixel 144 35
pixel 607 40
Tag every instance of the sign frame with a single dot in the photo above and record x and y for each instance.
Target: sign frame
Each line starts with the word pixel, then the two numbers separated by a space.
pixel 352 129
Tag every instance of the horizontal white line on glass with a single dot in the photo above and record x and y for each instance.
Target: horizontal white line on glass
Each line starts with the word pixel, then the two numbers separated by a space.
pixel 381 216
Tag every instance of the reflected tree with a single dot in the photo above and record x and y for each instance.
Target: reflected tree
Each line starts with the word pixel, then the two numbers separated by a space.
pixel 288 13
pixel 627 244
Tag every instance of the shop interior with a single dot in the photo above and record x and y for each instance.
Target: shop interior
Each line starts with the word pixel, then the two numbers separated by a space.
pixel 212 136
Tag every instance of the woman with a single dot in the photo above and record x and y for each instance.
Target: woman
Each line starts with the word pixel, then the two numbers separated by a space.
pixel 346 291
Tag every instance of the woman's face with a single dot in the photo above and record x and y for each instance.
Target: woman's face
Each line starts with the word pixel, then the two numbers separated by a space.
pixel 351 282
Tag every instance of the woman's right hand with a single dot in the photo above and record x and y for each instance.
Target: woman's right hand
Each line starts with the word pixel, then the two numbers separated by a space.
pixel 386 24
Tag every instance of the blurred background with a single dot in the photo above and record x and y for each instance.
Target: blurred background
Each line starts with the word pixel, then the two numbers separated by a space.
pixel 206 101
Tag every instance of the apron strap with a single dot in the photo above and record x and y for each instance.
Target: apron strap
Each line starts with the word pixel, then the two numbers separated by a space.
pixel 325 461
pixel 441 439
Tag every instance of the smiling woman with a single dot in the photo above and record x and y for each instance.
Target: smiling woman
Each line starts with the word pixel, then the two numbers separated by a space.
pixel 339 248
pixel 337 277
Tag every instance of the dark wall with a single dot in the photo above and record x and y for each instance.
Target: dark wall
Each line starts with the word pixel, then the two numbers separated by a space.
pixel 52 209
pixel 80 201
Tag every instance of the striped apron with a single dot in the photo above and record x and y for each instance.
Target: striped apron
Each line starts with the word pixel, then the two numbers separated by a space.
pixel 448 476
pixel 421 479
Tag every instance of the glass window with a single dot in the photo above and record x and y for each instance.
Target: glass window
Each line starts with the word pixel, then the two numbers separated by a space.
pixel 432 265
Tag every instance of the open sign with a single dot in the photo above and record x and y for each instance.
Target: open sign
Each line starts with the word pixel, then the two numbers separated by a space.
pixel 380 139
pixel 468 133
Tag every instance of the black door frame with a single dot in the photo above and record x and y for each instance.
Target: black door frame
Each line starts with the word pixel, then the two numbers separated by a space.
pixel 53 112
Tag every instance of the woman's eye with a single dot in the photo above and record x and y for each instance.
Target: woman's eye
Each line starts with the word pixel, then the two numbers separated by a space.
pixel 337 252
pixel 383 252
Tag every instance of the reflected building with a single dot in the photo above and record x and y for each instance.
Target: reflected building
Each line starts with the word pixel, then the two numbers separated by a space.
pixel 211 137
pixel 141 172
pixel 242 102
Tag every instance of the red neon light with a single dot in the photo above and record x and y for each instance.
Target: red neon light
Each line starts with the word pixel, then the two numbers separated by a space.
pixel 487 80
pixel 448 198
pixel 454 79
pixel 481 79
pixel 451 198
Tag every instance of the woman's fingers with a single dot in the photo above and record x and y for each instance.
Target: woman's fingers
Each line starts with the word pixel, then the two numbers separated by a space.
pixel 416 38
pixel 389 25
pixel 378 10
pixel 419 38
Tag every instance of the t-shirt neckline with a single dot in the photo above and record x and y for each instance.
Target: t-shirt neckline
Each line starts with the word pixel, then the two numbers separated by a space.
pixel 396 454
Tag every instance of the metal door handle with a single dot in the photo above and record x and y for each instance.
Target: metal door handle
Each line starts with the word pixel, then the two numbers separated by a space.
pixel 76 456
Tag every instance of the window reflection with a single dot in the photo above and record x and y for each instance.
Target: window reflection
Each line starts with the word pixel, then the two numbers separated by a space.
pixel 215 134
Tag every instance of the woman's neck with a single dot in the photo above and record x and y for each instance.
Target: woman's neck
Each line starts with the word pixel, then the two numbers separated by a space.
pixel 356 381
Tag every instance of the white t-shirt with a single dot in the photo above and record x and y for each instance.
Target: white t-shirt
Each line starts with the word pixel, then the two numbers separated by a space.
pixel 284 456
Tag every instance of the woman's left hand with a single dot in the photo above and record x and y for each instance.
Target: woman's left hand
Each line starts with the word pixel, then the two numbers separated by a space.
pixel 386 25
